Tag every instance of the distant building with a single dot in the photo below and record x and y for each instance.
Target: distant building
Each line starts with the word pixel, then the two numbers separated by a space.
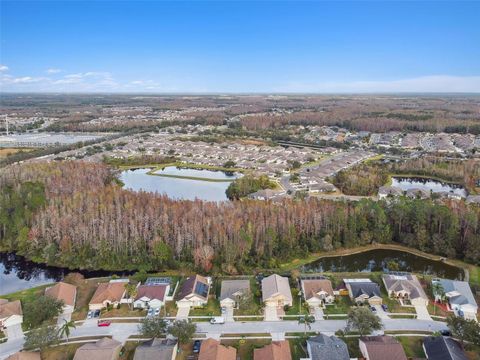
pixel 277 350
pixel 233 290
pixel 443 348
pixel 267 194
pixel 381 348
pixel 389 191
pixel 323 347
pixel 156 349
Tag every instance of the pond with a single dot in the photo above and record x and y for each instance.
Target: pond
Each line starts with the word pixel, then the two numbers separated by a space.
pixel 17 273
pixel 179 188
pixel 377 260
pixel 435 186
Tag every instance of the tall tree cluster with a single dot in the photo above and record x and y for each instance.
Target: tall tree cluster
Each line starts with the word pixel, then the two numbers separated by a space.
pixel 74 214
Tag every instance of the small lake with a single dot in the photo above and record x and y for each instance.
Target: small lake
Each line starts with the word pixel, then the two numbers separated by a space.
pixel 377 260
pixel 406 183
pixel 178 188
pixel 17 273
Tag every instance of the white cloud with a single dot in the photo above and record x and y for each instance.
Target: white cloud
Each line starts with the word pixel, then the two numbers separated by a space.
pixel 3 67
pixel 435 83
pixel 53 71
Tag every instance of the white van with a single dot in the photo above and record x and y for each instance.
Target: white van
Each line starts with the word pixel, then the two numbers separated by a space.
pixel 217 320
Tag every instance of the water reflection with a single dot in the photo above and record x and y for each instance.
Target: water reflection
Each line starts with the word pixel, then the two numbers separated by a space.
pixel 406 183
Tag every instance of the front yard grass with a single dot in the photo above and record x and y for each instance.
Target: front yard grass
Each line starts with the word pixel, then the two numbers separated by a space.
pixel 124 311
pixel 211 309
pixel 298 348
pixel 245 347
pixel 63 352
pixel 342 305
pixel 412 346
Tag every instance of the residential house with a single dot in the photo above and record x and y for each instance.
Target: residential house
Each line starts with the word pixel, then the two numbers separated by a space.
pixel 277 350
pixel 108 294
pixel 24 355
pixel 151 296
pixel 63 292
pixel 363 290
pixel 103 349
pixel 381 348
pixel 389 191
pixel 317 292
pixel 10 313
pixel 459 296
pixel 323 347
pixel 405 287
pixel 233 290
pixel 194 291
pixel 156 349
pixel 443 348
pixel 212 350
pixel 276 291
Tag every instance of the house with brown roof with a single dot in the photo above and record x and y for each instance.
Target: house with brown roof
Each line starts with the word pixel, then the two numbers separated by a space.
pixel 156 349
pixel 151 296
pixel 317 292
pixel 63 292
pixel 10 313
pixel 194 291
pixel 106 294
pixel 24 355
pixel 212 350
pixel 405 287
pixel 381 348
pixel 277 350
pixel 276 291
pixel 103 349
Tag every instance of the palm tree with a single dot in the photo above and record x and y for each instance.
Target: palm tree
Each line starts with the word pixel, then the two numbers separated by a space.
pixel 65 328
pixel 438 291
pixel 307 320
pixel 132 292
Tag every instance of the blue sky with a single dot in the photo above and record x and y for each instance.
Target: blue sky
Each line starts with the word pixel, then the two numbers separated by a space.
pixel 155 46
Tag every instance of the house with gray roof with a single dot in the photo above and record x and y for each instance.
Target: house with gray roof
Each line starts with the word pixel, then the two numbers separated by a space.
pixel 276 291
pixel 405 287
pixel 156 349
pixel 363 290
pixel 232 291
pixel 459 296
pixel 443 348
pixel 323 347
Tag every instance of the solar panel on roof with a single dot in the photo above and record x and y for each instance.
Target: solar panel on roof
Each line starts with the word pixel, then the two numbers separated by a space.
pixel 201 289
pixel 158 281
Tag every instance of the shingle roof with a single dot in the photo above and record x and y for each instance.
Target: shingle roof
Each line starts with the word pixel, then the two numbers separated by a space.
pixel 151 292
pixel 323 347
pixel 462 287
pixel 155 349
pixel 108 291
pixel 275 284
pixel 407 282
pixel 312 287
pixel 190 286
pixel 103 349
pixel 443 348
pixel 383 347
pixel 277 350
pixel 212 350
pixel 62 291
pixel 367 288
pixel 24 355
pixel 230 288
pixel 9 308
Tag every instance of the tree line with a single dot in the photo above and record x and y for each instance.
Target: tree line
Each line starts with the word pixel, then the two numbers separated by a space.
pixel 74 214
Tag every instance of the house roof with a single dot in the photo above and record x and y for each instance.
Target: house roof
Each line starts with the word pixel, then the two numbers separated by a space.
pixel 275 284
pixel 364 288
pixel 408 283
pixel 111 291
pixel 24 355
pixel 152 292
pixel 464 296
pixel 197 285
pixel 443 348
pixel 383 347
pixel 323 347
pixel 232 288
pixel 10 308
pixel 62 291
pixel 155 349
pixel 277 350
pixel 312 287
pixel 212 350
pixel 103 349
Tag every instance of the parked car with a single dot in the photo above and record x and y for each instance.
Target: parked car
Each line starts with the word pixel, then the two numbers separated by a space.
pixel 372 308
pixel 385 307
pixel 445 333
pixel 217 320
pixel 151 312
pixel 196 346
pixel 104 322
pixel 90 314
pixel 96 313
pixel 157 311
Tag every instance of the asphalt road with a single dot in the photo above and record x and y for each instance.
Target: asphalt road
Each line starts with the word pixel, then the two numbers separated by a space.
pixel 121 331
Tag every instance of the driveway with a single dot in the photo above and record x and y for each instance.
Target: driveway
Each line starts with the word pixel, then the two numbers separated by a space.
pixel 271 313
pixel 14 332
pixel 380 312
pixel 228 314
pixel 422 313
pixel 317 312
pixel 183 312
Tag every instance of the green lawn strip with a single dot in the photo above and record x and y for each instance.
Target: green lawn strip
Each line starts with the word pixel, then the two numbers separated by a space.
pixel 26 295
pixel 298 348
pixel 412 346
pixel 342 305
pixel 246 347
pixel 211 309
pixel 352 345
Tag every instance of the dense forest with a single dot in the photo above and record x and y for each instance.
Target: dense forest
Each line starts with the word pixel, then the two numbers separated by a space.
pixel 74 214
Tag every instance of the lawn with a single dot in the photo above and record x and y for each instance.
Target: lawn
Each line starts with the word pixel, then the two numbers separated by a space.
pixel 85 291
pixel 412 346
pixel 124 311
pixel 341 305
pixel 298 348
pixel 434 309
pixel 296 309
pixel 245 347
pixel 64 352
pixel 352 345
pixel 211 309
